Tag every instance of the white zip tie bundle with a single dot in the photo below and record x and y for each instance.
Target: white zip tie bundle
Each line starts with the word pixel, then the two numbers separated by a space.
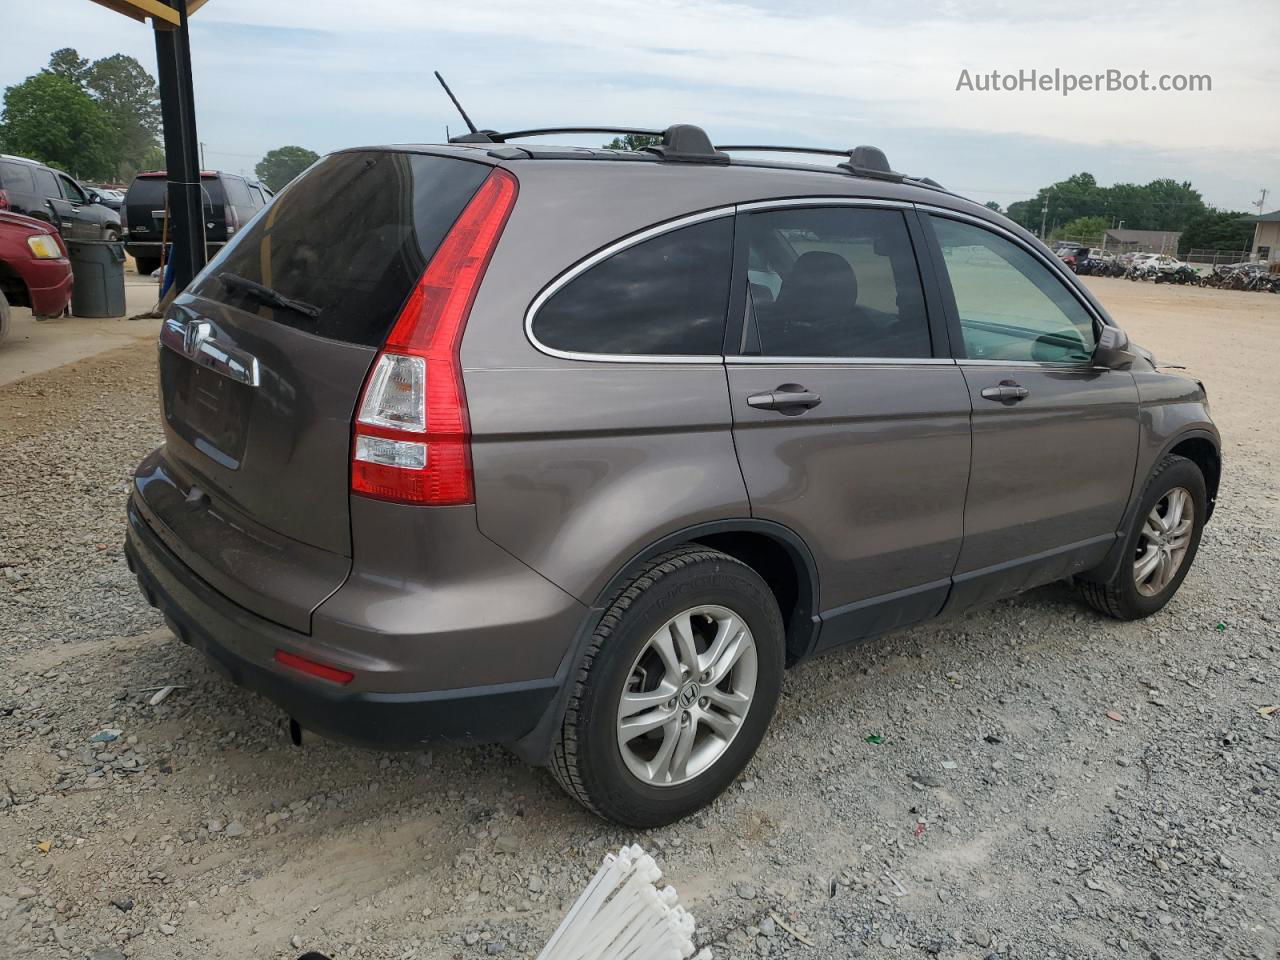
pixel 623 915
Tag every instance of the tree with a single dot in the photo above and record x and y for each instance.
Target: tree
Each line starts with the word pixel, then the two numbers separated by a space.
pixel 1085 230
pixel 282 164
pixel 632 141
pixel 67 63
pixel 47 117
pixel 129 96
pixel 1217 231
pixel 992 205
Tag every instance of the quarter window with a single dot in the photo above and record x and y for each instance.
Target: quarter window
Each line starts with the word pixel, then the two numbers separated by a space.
pixel 665 296
pixel 834 282
pixel 1011 307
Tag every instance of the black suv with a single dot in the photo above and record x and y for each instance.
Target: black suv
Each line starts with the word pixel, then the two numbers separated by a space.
pixel 230 201
pixel 31 188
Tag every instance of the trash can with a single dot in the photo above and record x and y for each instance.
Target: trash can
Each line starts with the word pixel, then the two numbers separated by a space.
pixel 97 269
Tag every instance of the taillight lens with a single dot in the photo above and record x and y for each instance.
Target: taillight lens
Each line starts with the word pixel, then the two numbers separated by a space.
pixel 412 436
pixel 231 218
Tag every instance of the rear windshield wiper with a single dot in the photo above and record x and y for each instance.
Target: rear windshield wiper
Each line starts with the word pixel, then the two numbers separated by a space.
pixel 264 294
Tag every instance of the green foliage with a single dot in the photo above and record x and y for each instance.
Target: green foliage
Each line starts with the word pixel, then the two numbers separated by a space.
pixel 112 141
pixel 48 118
pixel 1158 205
pixel 992 205
pixel 69 64
pixel 1217 231
pixel 282 164
pixel 129 96
pixel 1085 229
pixel 632 141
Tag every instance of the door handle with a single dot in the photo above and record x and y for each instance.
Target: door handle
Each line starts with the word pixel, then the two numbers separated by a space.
pixel 1009 391
pixel 790 398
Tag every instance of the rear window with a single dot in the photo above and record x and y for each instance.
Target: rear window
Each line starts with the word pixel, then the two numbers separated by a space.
pixel 150 191
pixel 16 177
pixel 351 236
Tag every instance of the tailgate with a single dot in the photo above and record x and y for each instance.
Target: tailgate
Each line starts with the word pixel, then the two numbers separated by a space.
pixel 253 485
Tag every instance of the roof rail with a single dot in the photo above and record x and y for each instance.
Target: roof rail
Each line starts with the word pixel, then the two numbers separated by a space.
pixel 861 161
pixel 681 142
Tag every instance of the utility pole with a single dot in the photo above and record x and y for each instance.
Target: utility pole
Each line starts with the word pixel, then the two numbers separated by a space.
pixel 1262 201
pixel 1044 215
pixel 203 165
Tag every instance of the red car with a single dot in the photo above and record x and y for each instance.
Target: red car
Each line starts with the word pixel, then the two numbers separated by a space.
pixel 34 269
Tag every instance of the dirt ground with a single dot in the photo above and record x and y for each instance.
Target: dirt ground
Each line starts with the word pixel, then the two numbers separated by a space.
pixel 956 790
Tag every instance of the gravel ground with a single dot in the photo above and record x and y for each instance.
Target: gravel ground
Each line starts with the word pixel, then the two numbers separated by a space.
pixel 1030 780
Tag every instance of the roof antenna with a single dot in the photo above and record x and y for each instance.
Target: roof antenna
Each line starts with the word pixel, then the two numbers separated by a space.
pixel 475 136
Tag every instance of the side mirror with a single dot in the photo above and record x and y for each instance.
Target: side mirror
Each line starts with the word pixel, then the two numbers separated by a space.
pixel 1113 349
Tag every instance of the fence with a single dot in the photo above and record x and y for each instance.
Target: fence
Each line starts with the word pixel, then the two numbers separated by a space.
pixel 1215 257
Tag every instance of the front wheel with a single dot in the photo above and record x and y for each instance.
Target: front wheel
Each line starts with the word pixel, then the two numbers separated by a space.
pixel 1160 545
pixel 675 691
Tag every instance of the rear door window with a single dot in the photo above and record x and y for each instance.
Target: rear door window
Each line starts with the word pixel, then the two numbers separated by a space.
pixel 834 282
pixel 665 296
pixel 351 236
pixel 47 184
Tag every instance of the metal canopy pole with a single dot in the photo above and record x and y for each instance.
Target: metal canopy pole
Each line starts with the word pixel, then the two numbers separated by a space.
pixel 181 147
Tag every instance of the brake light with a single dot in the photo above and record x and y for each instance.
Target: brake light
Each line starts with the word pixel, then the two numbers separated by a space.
pixel 4 200
pixel 231 218
pixel 412 441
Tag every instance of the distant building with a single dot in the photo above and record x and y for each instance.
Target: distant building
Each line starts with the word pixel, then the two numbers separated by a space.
pixel 1121 240
pixel 1266 237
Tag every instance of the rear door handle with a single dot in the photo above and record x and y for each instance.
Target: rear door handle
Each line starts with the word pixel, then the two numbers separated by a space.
pixel 790 398
pixel 1008 391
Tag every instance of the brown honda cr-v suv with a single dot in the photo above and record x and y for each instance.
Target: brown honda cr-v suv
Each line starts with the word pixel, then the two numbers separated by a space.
pixel 578 450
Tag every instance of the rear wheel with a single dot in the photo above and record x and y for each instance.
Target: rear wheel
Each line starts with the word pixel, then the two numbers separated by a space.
pixel 1160 545
pixel 112 235
pixel 675 691
pixel 4 317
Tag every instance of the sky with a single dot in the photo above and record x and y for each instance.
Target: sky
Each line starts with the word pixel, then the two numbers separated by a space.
pixel 327 74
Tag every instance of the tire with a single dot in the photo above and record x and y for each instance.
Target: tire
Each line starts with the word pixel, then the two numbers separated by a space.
pixel 145 265
pixel 4 317
pixel 112 235
pixel 697 586
pixel 1124 596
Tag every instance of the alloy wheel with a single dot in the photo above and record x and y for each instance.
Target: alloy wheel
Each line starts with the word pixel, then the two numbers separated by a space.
pixel 687 695
pixel 1163 542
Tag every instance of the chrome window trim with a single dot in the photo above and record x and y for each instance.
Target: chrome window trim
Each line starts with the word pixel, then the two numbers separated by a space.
pixel 604 253
pixel 845 361
pixel 1052 364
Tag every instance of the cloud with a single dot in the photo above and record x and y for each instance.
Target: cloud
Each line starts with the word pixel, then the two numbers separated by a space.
pixel 327 74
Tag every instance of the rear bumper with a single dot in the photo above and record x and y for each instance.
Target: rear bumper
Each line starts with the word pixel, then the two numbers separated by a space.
pixel 150 249
pixel 242 646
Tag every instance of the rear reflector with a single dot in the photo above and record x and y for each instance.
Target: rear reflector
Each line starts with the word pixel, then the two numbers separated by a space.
pixel 321 670
pixel 412 441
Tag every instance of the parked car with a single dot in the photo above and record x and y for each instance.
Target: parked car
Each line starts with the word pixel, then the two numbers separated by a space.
pixel 44 193
pixel 107 196
pixel 34 269
pixel 525 444
pixel 229 202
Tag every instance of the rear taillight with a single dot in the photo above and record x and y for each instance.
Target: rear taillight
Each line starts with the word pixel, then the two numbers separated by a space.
pixel 232 219
pixel 4 200
pixel 412 437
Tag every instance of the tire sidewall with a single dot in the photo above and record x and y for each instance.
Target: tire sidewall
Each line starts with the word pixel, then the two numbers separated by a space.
pixel 605 773
pixel 4 317
pixel 1179 473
